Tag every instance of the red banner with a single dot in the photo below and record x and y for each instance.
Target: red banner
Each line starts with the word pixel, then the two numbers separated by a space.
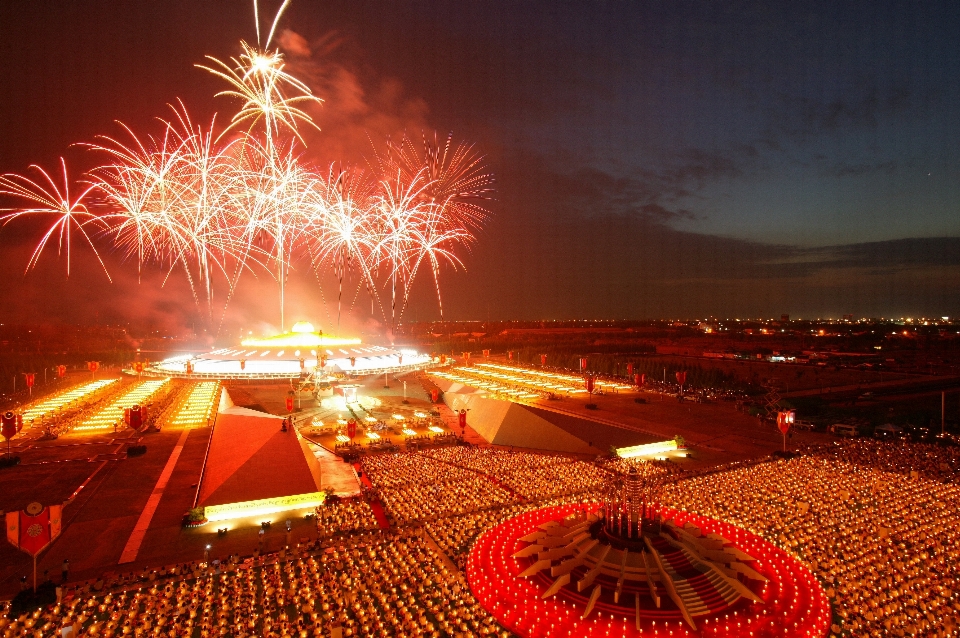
pixel 352 428
pixel 138 367
pixel 289 404
pixel 243 364
pixel 399 359
pixel 353 362
pixel 543 359
pixel 588 381
pixel 629 370
pixel 583 364
pixel 510 355
pixel 466 357
pixel 31 377
pixel 32 530
pixel 136 417
pixel 443 359
pixel 486 353
pixel 189 367
pixel 681 377
pixel 61 371
pixel 93 366
pixel 435 395
pixel 463 418
pixel 9 425
pixel 323 362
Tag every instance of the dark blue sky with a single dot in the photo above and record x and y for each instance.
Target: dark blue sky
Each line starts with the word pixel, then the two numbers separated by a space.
pixel 652 159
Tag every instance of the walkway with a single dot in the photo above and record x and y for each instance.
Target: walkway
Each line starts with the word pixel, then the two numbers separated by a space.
pixel 132 547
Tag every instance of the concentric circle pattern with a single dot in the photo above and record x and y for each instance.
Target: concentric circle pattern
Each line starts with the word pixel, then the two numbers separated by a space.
pixel 793 603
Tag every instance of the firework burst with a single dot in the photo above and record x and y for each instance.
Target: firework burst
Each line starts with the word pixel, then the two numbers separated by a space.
pixel 216 204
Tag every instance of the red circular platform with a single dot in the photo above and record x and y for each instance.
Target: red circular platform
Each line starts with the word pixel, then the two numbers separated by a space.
pixel 794 603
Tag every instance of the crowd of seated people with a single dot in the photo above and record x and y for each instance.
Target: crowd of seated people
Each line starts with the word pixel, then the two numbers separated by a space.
pixel 368 585
pixel 878 524
pixel 344 515
pixel 533 477
pixel 883 544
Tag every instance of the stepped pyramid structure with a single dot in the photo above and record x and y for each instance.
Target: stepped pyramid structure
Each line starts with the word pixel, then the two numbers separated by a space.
pixel 256 467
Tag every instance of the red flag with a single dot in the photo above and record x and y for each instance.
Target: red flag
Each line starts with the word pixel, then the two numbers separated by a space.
pixel 443 359
pixel 138 367
pixel 61 371
pixel 289 404
pixel 589 383
pixel 435 395
pixel 486 353
pixel 629 370
pixel 543 359
pixel 189 367
pixel 643 379
pixel 93 366
pixel 9 425
pixel 30 378
pixel 466 357
pixel 463 418
pixel 399 359
pixel 681 377
pixel 303 364
pixel 243 364
pixel 510 355
pixel 352 428
pixel 583 364
pixel 637 379
pixel 353 361
pixel 323 362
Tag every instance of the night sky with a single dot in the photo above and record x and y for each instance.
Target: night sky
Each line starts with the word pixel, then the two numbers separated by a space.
pixel 652 159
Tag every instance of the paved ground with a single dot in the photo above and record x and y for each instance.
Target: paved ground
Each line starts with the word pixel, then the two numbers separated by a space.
pixel 99 520
pixel 716 432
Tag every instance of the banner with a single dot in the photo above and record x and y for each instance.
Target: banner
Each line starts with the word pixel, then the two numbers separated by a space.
pixel 463 418
pixel 9 425
pixel 33 529
pixel 289 403
pixel 30 376
pixel 61 371
pixel 543 359
pixel 681 377
pixel 93 366
pixel 583 364
pixel 138 367
pixel 629 370
pixel 589 383
pixel 352 428
pixel 435 395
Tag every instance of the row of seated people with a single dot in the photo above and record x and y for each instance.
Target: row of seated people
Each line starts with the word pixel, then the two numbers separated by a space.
pixel 884 545
pixel 368 585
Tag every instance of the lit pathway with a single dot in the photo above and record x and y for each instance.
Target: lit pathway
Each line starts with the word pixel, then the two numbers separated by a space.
pixel 143 523
pixel 107 417
pixel 195 412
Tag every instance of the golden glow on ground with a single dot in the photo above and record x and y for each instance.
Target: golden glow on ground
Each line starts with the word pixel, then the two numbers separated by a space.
pixel 496 388
pixel 199 406
pixel 263 506
pixel 647 449
pixel 52 404
pixel 343 438
pixel 337 402
pixel 538 380
pixel 299 339
pixel 409 432
pixel 434 428
pixel 106 417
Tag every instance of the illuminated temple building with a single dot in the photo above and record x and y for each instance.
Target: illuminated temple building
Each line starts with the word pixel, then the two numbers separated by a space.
pixel 301 352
